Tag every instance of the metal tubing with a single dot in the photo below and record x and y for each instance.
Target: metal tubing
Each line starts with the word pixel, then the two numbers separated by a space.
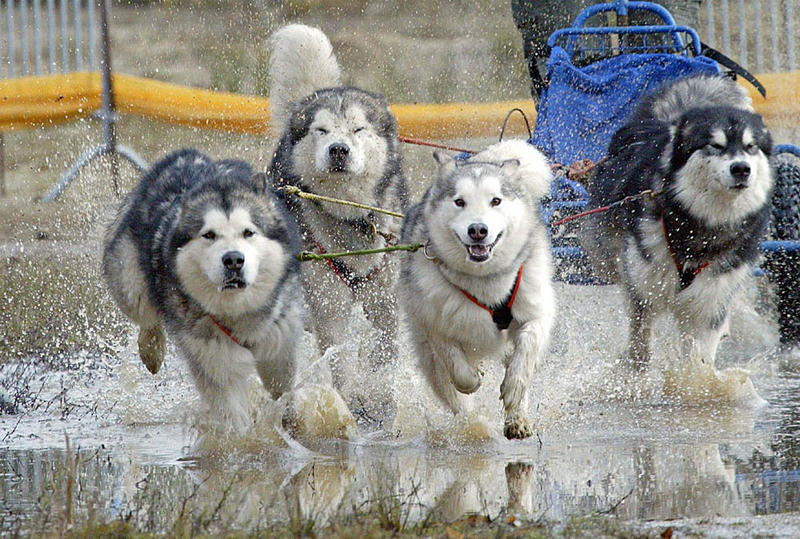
pixel 726 26
pixel 78 34
pixel 91 26
pixel 64 40
pixel 109 110
pixel 788 22
pixel 12 53
pixel 24 59
pixel 710 38
pixel 37 37
pixel 743 26
pixel 773 29
pixel 51 37
pixel 759 24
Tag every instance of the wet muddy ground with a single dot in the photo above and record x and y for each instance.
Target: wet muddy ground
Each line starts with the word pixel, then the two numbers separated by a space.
pixel 95 438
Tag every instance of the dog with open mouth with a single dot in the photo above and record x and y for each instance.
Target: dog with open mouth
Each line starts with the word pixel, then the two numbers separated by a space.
pixel 483 280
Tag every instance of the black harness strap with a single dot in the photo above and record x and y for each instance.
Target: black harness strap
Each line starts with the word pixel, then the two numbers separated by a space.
pixel 720 58
pixel 686 275
pixel 501 314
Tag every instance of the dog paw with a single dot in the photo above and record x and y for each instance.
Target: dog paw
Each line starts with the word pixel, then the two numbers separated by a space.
pixel 517 427
pixel 316 411
pixel 152 347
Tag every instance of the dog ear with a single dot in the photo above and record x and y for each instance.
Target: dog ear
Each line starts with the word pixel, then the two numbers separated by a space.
pixel 446 162
pixel 510 166
pixel 260 182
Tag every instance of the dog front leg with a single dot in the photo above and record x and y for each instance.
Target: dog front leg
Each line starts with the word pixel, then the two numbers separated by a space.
pixel 529 344
pixel 639 335
pixel 443 363
pixel 700 339
pixel 380 308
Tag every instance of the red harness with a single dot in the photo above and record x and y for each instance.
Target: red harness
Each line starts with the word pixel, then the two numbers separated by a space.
pixel 501 314
pixel 686 276
pixel 226 331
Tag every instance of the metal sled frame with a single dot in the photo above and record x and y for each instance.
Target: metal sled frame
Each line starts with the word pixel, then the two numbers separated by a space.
pixel 569 197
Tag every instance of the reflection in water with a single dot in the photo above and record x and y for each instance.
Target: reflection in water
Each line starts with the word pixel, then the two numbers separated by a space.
pixel 634 478
pixel 604 444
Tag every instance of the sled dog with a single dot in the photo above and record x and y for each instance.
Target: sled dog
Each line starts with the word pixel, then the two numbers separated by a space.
pixel 202 251
pixel 339 142
pixel 482 284
pixel 699 146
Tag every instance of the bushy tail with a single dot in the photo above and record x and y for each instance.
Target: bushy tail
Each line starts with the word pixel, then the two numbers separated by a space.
pixel 302 62
pixel 671 101
pixel 533 171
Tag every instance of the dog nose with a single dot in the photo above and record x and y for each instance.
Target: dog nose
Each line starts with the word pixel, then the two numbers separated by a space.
pixel 477 231
pixel 338 151
pixel 740 172
pixel 233 260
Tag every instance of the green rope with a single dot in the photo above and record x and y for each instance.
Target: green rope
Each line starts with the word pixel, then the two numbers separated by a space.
pixel 292 190
pixel 305 255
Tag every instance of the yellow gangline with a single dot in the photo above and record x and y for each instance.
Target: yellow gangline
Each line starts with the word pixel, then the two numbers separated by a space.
pixel 38 101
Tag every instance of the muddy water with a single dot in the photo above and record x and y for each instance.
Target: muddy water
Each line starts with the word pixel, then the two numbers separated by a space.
pixel 100 438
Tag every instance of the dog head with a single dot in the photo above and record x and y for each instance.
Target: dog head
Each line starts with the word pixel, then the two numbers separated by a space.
pixel 480 213
pixel 720 164
pixel 342 141
pixel 232 242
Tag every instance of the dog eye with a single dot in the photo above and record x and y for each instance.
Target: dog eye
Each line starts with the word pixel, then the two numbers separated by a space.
pixel 496 201
pixel 210 235
pixel 358 130
pixel 717 146
pixel 322 131
pixel 752 147
pixel 248 233
pixel 459 202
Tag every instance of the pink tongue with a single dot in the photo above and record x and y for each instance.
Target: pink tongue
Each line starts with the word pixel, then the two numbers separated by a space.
pixel 478 250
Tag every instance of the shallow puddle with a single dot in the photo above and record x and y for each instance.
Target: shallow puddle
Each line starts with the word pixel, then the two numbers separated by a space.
pixel 99 438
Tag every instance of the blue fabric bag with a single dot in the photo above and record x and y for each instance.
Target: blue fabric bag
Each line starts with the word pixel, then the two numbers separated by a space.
pixel 582 107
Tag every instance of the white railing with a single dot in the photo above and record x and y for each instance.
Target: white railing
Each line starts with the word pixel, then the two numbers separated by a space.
pixel 41 37
pixel 761 35
pixel 64 40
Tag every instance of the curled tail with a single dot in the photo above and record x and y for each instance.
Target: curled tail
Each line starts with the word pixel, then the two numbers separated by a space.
pixel 533 172
pixel 302 62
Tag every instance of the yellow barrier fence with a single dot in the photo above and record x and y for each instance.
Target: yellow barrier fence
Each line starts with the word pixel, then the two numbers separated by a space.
pixel 45 100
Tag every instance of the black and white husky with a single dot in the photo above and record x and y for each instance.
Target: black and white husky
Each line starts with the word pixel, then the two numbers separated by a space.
pixel 698 145
pixel 340 142
pixel 483 280
pixel 203 250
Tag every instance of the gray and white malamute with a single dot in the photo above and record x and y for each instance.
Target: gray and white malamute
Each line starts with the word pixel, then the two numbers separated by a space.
pixel 339 142
pixel 484 277
pixel 204 250
pixel 689 249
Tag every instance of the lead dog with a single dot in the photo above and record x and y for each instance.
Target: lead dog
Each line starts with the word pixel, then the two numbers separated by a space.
pixel 340 142
pixel 688 250
pixel 203 250
pixel 484 277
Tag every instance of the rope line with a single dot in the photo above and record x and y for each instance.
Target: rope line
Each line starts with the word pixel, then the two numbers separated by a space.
pixel 305 256
pixel 419 142
pixel 647 192
pixel 296 191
